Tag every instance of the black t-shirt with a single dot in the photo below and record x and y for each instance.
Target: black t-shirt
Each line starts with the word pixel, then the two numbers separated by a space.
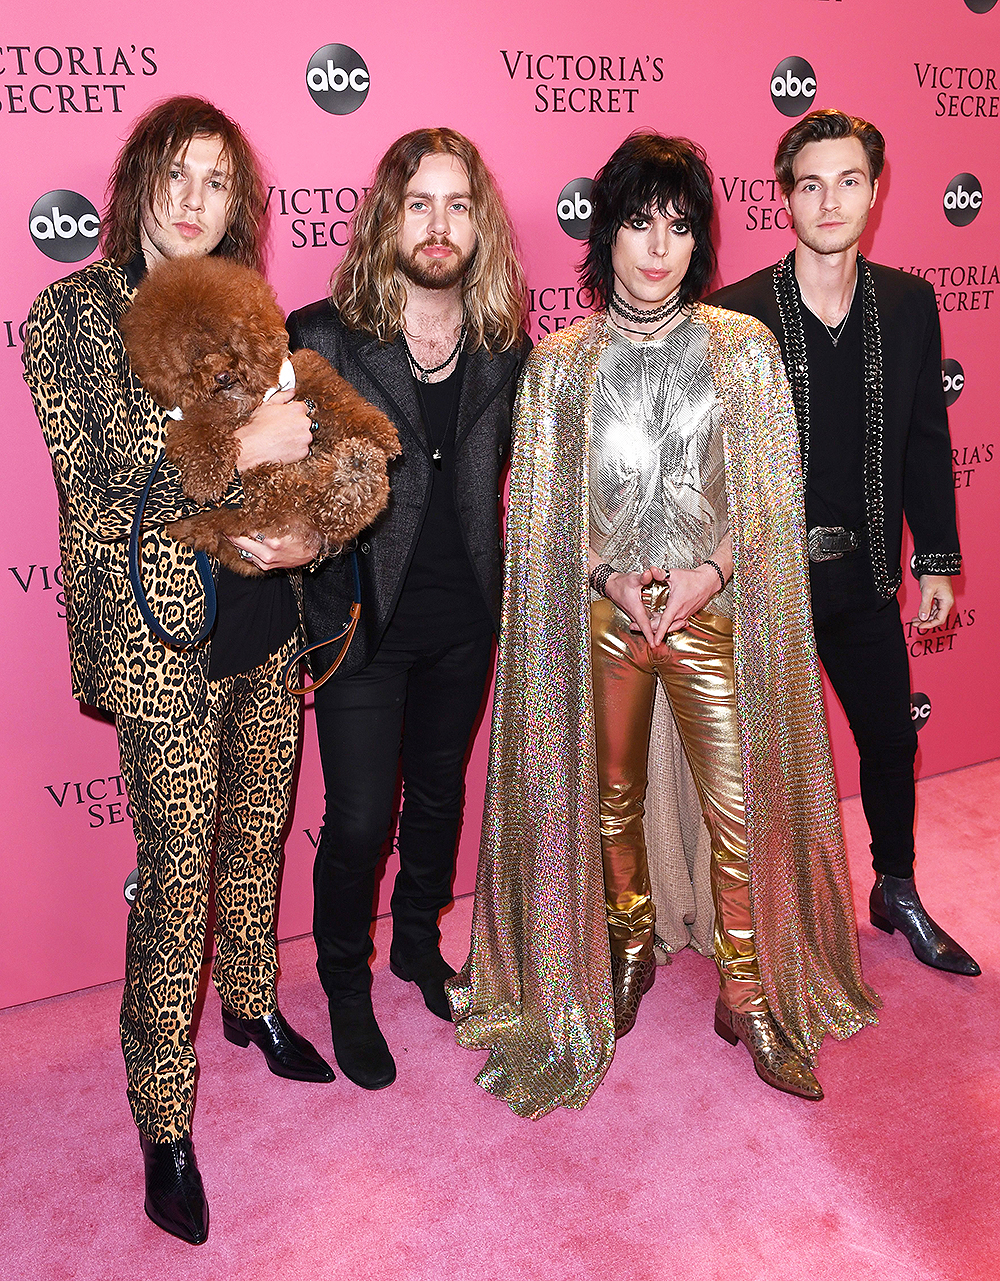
pixel 256 616
pixel 441 603
pixel 835 485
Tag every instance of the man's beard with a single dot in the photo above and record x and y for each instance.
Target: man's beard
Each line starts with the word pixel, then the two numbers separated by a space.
pixel 435 273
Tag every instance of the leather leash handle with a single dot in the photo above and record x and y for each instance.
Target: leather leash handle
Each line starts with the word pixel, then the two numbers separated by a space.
pixel 347 635
pixel 202 564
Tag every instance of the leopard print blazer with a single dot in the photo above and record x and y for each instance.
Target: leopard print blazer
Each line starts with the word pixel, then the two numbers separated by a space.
pixel 104 433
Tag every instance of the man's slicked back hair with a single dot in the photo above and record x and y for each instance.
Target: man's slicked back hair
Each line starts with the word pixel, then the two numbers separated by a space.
pixel 824 126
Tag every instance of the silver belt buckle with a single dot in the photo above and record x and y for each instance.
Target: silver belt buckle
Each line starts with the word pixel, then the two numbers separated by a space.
pixel 830 542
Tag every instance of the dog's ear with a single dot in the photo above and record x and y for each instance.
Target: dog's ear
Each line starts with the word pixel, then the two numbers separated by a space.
pixel 260 343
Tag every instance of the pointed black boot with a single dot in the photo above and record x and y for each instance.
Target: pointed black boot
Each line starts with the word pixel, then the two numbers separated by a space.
pixel 175 1197
pixel 429 976
pixel 359 1046
pixel 894 904
pixel 285 1052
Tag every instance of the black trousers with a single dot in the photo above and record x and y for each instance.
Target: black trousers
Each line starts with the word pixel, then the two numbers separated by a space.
pixel 420 707
pixel 860 641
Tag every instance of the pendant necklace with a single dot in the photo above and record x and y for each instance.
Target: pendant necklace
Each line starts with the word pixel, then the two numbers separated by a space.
pixel 836 331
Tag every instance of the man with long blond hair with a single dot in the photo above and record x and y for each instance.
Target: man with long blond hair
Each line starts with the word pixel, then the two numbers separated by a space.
pixel 426 321
pixel 207 732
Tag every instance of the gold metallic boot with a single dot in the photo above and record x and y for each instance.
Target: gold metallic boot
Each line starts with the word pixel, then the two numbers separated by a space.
pixel 775 1060
pixel 631 979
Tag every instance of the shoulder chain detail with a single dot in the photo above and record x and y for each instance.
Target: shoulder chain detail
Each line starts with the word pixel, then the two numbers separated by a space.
pixel 797 366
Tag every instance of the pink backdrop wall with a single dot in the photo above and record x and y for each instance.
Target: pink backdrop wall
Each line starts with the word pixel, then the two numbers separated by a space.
pixel 547 91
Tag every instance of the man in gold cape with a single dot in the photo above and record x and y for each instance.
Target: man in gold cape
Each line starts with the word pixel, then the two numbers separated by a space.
pixel 536 990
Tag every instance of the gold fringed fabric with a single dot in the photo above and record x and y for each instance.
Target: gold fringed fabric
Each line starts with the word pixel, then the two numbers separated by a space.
pixel 536 989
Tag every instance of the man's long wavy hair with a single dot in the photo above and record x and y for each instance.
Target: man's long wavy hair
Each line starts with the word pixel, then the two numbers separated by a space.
pixel 369 291
pixel 142 173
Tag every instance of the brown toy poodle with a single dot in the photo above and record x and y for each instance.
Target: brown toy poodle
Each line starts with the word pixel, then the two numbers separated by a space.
pixel 205 335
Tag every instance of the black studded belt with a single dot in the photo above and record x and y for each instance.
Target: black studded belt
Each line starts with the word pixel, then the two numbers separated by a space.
pixel 830 542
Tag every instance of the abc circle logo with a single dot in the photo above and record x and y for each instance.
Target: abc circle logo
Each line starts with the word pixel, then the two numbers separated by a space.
pixel 953 377
pixel 337 79
pixel 920 710
pixel 64 225
pixel 131 886
pixel 963 199
pixel 793 86
pixel 574 207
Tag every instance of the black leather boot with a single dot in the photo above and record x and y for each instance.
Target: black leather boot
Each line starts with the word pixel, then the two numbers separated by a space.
pixel 429 976
pixel 894 904
pixel 175 1197
pixel 359 1046
pixel 286 1053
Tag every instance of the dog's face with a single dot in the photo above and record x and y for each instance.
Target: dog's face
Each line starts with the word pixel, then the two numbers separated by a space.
pixel 206 331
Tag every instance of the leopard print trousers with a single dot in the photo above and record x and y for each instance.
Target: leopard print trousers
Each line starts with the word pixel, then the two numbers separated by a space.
pixel 219 782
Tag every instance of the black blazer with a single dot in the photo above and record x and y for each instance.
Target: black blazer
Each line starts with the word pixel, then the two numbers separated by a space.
pixel 916 447
pixel 381 373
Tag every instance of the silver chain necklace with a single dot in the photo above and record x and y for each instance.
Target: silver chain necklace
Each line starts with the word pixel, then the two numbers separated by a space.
pixel 424 373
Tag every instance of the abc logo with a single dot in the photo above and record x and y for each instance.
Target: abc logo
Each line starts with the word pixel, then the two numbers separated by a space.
pixel 131 886
pixel 920 709
pixel 337 79
pixel 963 199
pixel 980 6
pixel 574 207
pixel 953 377
pixel 64 225
pixel 793 86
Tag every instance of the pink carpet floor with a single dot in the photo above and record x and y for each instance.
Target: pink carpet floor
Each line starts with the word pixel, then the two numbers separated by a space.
pixel 683 1165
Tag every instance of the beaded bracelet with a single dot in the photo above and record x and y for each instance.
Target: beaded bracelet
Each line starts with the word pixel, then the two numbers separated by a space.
pixel 599 576
pixel 722 577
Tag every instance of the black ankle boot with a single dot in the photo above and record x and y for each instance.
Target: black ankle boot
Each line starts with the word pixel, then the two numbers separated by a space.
pixel 429 976
pixel 359 1046
pixel 175 1197
pixel 286 1053
pixel 895 905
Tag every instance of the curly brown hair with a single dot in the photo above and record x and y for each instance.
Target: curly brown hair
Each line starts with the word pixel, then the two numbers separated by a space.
pixel 368 290
pixel 141 174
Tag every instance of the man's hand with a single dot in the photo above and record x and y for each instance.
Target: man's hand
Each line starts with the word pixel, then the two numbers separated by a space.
pixel 625 591
pixel 287 552
pixel 936 602
pixel 277 432
pixel 690 590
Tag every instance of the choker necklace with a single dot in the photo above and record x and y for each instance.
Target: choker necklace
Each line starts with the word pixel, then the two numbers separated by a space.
pixel 665 312
pixel 424 374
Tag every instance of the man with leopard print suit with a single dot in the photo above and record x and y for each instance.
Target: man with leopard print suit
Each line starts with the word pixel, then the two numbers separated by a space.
pixel 207 733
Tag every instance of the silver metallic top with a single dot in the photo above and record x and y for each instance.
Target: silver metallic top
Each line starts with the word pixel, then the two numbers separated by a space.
pixel 657 468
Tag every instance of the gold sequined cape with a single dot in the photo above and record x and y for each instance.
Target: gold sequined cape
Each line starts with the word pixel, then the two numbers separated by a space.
pixel 536 989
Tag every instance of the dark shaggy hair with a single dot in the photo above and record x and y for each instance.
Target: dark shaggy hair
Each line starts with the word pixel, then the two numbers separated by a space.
pixel 141 175
pixel 822 126
pixel 647 172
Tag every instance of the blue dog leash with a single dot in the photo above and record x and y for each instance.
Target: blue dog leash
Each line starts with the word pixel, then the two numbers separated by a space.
pixel 202 564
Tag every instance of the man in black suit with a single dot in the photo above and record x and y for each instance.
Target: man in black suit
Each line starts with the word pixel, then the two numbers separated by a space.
pixel 862 348
pixel 426 321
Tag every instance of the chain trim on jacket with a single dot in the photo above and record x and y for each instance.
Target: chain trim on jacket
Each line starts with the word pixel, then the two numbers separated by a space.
pixel 936 563
pixel 797 365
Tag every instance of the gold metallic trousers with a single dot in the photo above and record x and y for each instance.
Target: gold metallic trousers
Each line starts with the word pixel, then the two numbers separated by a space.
pixel 695 666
